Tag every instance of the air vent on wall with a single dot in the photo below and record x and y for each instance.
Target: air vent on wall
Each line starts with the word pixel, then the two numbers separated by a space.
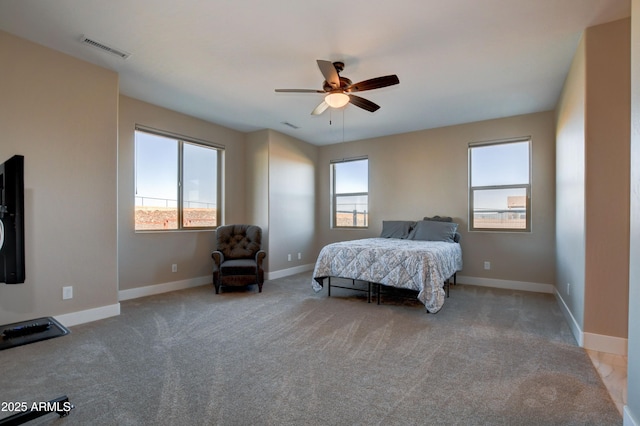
pixel 99 45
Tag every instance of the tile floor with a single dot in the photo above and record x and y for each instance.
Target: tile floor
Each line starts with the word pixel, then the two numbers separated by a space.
pixel 613 371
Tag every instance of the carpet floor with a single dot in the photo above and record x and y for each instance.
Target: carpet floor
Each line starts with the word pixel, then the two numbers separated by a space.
pixel 289 356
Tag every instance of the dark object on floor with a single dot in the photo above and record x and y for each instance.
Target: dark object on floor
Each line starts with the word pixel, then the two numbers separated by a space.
pixel 237 260
pixel 22 333
pixel 60 405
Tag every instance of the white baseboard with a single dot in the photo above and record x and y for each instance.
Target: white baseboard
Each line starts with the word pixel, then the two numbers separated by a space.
pixel 571 320
pixel 150 290
pixel 591 341
pixel 506 284
pixel 628 419
pixel 289 271
pixel 81 317
pixel 608 344
pixel 89 315
pixel 595 342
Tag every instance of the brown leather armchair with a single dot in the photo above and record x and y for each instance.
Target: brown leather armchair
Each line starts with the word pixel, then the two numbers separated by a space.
pixel 237 260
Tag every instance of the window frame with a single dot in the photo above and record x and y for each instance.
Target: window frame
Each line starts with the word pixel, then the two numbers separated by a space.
pixel 181 140
pixel 335 195
pixel 525 186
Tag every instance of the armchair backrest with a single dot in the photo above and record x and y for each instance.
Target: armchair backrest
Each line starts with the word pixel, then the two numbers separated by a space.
pixel 238 241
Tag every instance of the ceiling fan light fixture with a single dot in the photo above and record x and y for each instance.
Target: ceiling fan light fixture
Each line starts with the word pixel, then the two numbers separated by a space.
pixel 336 100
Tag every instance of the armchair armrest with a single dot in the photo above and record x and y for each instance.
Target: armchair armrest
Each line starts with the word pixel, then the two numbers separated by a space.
pixel 260 255
pixel 218 258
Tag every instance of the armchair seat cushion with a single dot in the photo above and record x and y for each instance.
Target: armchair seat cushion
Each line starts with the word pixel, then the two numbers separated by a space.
pixel 239 267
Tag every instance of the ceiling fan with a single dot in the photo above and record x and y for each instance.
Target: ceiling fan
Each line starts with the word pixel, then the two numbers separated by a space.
pixel 339 89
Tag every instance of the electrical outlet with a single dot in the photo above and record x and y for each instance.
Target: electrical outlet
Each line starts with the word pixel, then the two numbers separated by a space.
pixel 299 256
pixel 67 292
pixel 174 267
pixel 568 288
pixel 289 257
pixel 487 265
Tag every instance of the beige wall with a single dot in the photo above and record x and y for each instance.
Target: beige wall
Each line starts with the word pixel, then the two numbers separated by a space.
pixel 61 114
pixel 632 410
pixel 425 173
pixel 607 178
pixel 145 258
pixel 257 184
pixel 570 187
pixel 292 198
pixel 593 181
pixel 283 188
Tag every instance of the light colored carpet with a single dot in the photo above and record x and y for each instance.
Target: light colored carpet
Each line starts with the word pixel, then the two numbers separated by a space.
pixel 289 356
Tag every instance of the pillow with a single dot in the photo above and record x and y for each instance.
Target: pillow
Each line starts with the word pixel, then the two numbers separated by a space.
pixel 457 236
pixel 396 228
pixel 430 230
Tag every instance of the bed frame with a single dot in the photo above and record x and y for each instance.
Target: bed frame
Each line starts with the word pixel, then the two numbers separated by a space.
pixel 370 285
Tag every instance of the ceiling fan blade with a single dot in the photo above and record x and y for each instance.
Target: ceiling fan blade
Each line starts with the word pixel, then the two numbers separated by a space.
pixel 320 108
pixel 363 103
pixel 329 72
pixel 299 91
pixel 374 83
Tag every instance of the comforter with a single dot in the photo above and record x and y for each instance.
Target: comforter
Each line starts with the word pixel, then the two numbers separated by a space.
pixel 423 266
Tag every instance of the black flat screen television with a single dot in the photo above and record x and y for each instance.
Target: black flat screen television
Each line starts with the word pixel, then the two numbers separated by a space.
pixel 12 268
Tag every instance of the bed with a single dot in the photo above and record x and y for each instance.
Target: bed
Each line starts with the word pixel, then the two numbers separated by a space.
pixel 420 256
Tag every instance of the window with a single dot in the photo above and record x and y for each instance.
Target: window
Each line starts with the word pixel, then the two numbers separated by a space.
pixel 350 189
pixel 177 182
pixel 500 185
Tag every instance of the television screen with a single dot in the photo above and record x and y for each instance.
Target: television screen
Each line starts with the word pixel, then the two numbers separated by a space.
pixel 12 267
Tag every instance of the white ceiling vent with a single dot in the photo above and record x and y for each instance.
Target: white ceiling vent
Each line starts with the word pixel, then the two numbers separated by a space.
pixel 99 45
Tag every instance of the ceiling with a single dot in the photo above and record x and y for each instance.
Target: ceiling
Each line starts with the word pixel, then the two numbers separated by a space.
pixel 458 61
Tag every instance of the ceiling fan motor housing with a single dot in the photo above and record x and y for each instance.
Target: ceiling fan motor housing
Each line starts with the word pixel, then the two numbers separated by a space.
pixel 344 83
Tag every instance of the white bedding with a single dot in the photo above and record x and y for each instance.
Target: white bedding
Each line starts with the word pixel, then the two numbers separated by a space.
pixel 423 266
